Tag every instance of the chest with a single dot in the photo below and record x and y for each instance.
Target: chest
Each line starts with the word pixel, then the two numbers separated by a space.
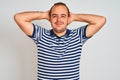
pixel 57 48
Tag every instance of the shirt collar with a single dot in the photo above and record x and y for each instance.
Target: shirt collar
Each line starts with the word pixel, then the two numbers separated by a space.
pixel 53 34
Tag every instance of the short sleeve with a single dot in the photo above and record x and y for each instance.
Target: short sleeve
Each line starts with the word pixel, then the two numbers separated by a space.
pixel 82 34
pixel 37 32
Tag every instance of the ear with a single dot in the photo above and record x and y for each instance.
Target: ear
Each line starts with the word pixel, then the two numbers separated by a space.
pixel 69 20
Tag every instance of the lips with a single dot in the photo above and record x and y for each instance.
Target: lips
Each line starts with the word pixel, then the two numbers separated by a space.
pixel 58 23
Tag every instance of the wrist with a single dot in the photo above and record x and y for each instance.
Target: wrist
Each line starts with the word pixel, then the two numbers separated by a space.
pixel 76 17
pixel 44 15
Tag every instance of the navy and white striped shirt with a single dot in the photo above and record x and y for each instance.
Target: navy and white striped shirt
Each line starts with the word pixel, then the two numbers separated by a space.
pixel 59 57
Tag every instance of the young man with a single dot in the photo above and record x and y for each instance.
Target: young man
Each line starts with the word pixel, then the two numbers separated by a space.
pixel 59 49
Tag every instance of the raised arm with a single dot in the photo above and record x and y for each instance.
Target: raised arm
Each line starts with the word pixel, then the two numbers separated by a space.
pixel 24 20
pixel 95 22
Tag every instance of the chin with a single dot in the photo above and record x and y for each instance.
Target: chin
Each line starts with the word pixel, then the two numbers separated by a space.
pixel 59 30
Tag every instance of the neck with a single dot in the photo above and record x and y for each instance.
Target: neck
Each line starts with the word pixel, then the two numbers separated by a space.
pixel 59 34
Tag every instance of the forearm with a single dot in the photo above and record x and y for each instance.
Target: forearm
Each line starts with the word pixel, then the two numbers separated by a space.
pixel 31 15
pixel 88 18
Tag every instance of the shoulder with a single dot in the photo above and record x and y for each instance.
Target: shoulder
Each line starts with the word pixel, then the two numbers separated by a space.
pixel 79 29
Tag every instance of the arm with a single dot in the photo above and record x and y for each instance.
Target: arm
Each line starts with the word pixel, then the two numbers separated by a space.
pixel 95 22
pixel 24 20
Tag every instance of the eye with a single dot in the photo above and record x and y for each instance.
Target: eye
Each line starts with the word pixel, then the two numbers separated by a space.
pixel 54 16
pixel 63 16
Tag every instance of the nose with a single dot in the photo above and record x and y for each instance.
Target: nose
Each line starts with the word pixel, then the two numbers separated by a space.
pixel 58 18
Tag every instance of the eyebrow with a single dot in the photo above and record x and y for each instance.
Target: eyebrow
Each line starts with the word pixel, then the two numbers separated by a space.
pixel 54 14
pixel 61 14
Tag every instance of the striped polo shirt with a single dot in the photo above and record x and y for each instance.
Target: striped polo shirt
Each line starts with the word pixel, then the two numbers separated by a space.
pixel 59 57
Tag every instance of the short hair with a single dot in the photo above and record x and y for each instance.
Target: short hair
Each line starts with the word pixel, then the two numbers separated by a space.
pixel 59 3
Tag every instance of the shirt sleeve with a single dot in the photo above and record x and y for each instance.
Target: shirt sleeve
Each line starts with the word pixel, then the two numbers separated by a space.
pixel 82 34
pixel 37 32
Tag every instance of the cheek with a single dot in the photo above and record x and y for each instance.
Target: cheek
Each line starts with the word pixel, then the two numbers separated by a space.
pixel 52 21
pixel 66 21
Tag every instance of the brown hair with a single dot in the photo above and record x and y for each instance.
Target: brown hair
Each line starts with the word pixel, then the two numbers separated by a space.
pixel 59 3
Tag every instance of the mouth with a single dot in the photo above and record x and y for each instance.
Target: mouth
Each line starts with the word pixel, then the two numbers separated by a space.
pixel 59 23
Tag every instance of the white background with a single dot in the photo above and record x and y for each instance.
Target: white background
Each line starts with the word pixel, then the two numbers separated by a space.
pixel 100 57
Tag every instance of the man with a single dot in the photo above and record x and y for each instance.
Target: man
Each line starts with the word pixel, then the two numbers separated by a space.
pixel 59 49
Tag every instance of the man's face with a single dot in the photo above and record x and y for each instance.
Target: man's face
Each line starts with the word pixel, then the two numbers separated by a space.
pixel 59 18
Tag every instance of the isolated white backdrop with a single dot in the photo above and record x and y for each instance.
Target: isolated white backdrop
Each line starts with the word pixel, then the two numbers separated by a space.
pixel 100 57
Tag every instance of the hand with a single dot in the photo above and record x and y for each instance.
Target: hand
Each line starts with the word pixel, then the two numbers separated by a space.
pixel 47 15
pixel 71 18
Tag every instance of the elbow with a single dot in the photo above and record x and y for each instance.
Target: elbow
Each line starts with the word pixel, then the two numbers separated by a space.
pixel 19 16
pixel 16 16
pixel 103 20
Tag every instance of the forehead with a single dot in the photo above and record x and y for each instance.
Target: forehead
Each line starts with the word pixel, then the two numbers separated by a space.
pixel 59 9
